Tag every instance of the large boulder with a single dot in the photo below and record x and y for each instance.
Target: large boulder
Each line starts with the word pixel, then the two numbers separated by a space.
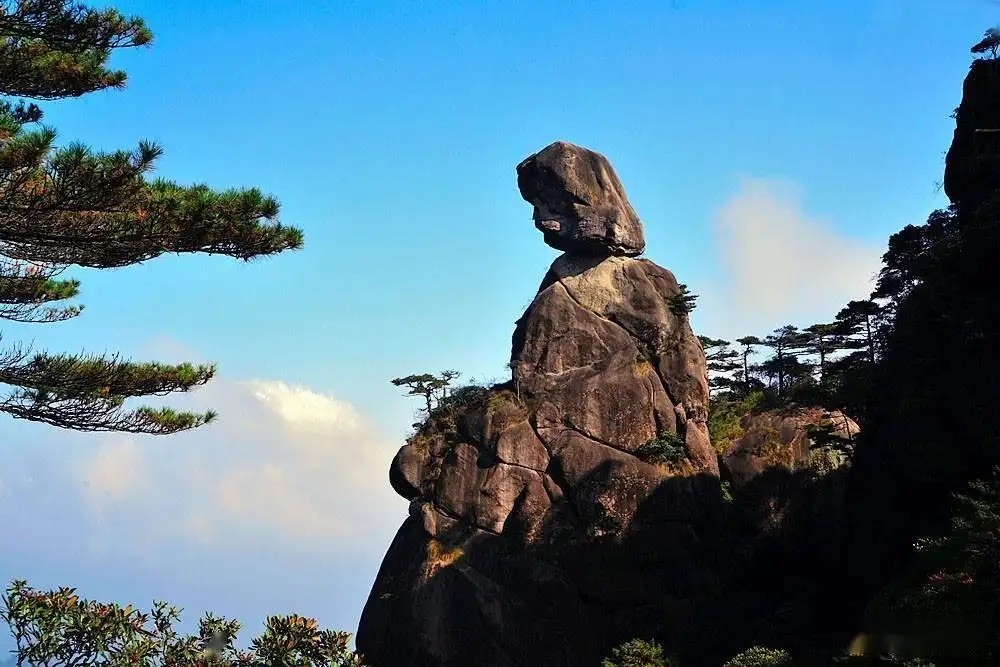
pixel 601 353
pixel 551 514
pixel 789 439
pixel 580 205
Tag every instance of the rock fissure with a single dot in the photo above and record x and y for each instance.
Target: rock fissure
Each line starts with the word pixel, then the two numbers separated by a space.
pixel 666 388
pixel 588 436
pixel 471 523
pixel 518 465
pixel 600 316
pixel 534 427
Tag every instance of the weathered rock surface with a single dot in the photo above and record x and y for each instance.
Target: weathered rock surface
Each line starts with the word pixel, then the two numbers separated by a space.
pixel 580 205
pixel 543 529
pixel 785 439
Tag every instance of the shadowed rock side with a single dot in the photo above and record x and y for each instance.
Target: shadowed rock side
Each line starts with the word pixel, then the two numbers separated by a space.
pixel 565 511
pixel 934 429
pixel 972 167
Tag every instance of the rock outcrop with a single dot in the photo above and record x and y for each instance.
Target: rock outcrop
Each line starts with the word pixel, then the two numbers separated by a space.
pixel 580 205
pixel 565 511
pixel 790 439
pixel 931 428
pixel 972 166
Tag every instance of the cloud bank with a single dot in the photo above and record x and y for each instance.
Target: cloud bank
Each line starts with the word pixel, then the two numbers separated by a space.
pixel 779 265
pixel 282 463
pixel 282 505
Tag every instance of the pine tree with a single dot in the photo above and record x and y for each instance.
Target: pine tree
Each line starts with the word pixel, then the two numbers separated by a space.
pixel 70 205
pixel 431 387
pixel 721 362
pixel 859 320
pixel 682 303
pixel 823 340
pixel 990 42
pixel 748 343
pixel 787 342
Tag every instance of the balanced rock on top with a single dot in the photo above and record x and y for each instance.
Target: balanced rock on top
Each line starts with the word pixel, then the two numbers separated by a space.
pixel 550 513
pixel 580 205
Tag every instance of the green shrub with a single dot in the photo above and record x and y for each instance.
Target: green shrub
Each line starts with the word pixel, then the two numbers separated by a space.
pixel 467 396
pixel 664 448
pixel 504 408
pixel 770 447
pixel 727 492
pixel 724 415
pixel 443 418
pixel 637 653
pixel 59 628
pixel 947 596
pixel 758 656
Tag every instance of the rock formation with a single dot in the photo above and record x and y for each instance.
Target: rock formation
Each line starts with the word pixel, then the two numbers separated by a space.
pixel 784 439
pixel 972 167
pixel 565 511
pixel 580 205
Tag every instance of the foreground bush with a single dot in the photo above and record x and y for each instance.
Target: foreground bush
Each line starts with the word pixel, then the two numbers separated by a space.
pixel 637 653
pixel 58 628
pixel 759 656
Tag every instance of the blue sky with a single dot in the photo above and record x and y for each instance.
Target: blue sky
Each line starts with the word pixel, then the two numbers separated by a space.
pixel 770 147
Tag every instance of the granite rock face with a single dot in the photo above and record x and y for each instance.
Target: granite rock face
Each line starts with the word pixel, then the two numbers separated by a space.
pixel 580 205
pixel 790 439
pixel 550 514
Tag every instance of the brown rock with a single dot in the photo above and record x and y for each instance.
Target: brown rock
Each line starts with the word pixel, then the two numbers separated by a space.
pixel 484 496
pixel 580 205
pixel 518 445
pixel 600 351
pixel 781 439
pixel 457 490
pixel 501 489
pixel 415 465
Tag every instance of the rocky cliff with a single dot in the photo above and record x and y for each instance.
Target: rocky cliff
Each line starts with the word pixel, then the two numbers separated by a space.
pixel 567 510
pixel 936 429
pixel 789 439
pixel 972 166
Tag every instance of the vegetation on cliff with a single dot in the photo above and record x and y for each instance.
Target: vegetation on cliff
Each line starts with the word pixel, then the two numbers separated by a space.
pixel 915 365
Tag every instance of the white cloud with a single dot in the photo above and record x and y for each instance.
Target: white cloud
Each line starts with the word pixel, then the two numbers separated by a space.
pixel 305 409
pixel 780 264
pixel 281 505
pixel 115 471
pixel 281 462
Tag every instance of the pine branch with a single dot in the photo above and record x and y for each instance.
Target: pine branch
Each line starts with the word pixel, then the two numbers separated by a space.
pixel 72 25
pixel 25 288
pixel 94 414
pixel 94 209
pixel 87 393
pixel 68 376
pixel 51 49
